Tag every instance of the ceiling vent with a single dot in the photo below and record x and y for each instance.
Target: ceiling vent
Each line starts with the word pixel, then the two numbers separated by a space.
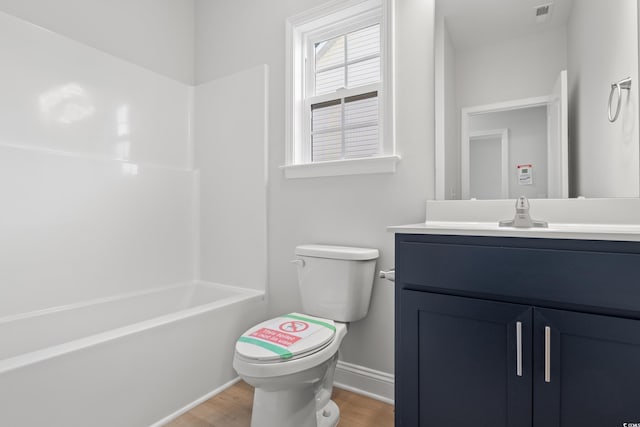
pixel 543 12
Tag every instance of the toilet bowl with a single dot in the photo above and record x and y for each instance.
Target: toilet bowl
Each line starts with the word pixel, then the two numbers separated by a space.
pixel 290 360
pixel 294 391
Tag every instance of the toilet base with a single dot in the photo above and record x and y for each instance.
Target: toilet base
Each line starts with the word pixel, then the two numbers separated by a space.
pixel 296 405
pixel 329 415
pixel 292 408
pixel 294 393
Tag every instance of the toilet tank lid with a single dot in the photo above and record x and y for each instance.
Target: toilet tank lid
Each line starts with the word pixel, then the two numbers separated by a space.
pixel 337 252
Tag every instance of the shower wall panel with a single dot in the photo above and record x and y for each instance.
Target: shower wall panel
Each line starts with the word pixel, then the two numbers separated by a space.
pixel 95 179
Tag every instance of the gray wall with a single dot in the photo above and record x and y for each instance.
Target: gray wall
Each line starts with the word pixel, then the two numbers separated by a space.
pixel 347 210
pixel 602 48
pixel 517 68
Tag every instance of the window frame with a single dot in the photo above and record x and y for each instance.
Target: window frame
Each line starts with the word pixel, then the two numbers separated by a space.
pixel 303 31
pixel 371 18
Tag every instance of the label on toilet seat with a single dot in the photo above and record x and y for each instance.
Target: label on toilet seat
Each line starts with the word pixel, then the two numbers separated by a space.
pixel 285 333
pixel 285 337
pixel 276 337
pixel 294 326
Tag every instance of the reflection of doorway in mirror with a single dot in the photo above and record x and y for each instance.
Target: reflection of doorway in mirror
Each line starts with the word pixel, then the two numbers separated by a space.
pixel 488 164
pixel 527 144
pixel 537 135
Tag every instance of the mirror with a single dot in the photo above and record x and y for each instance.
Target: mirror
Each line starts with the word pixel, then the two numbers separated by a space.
pixel 522 99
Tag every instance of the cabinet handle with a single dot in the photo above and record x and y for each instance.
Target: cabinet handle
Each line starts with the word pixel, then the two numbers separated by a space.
pixel 547 354
pixel 519 349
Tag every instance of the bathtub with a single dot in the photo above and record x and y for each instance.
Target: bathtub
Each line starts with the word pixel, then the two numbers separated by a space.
pixel 131 360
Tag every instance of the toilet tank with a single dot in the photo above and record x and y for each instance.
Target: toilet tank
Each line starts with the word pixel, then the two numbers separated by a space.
pixel 335 281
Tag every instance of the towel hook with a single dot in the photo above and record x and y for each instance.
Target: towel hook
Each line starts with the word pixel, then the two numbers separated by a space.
pixel 622 84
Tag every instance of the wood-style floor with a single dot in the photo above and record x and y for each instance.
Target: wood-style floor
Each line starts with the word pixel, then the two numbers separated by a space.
pixel 232 408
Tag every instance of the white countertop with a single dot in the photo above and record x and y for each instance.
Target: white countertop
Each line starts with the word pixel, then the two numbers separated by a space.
pixel 618 232
pixel 586 219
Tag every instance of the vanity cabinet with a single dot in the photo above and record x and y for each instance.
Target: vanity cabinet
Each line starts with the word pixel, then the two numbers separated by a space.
pixel 458 362
pixel 512 332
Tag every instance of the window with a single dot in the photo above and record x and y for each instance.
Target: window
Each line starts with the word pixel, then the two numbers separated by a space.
pixel 339 100
pixel 344 80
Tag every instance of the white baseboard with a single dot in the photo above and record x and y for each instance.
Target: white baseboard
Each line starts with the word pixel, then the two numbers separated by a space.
pixel 195 403
pixel 367 382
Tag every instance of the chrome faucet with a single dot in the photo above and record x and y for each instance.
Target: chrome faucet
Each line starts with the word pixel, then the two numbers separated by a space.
pixel 522 219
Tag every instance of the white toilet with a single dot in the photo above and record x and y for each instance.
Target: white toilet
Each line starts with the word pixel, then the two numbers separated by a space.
pixel 291 359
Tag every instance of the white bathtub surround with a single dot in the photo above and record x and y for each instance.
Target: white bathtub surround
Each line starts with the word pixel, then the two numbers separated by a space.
pixel 61 95
pixel 75 228
pixel 40 335
pixel 111 362
pixel 100 221
pixel 93 158
pixel 231 134
pixel 598 219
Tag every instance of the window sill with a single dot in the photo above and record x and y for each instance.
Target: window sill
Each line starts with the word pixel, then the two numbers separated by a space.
pixel 380 164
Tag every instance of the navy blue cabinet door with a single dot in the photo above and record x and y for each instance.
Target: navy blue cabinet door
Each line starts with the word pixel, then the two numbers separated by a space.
pixel 586 370
pixel 460 362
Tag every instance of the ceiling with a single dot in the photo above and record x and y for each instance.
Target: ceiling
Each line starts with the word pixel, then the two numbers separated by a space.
pixel 472 23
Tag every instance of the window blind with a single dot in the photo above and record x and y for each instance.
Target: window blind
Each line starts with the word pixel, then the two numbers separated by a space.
pixel 345 128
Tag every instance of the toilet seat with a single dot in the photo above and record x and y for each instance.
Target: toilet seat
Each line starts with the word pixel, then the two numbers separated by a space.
pixel 284 338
